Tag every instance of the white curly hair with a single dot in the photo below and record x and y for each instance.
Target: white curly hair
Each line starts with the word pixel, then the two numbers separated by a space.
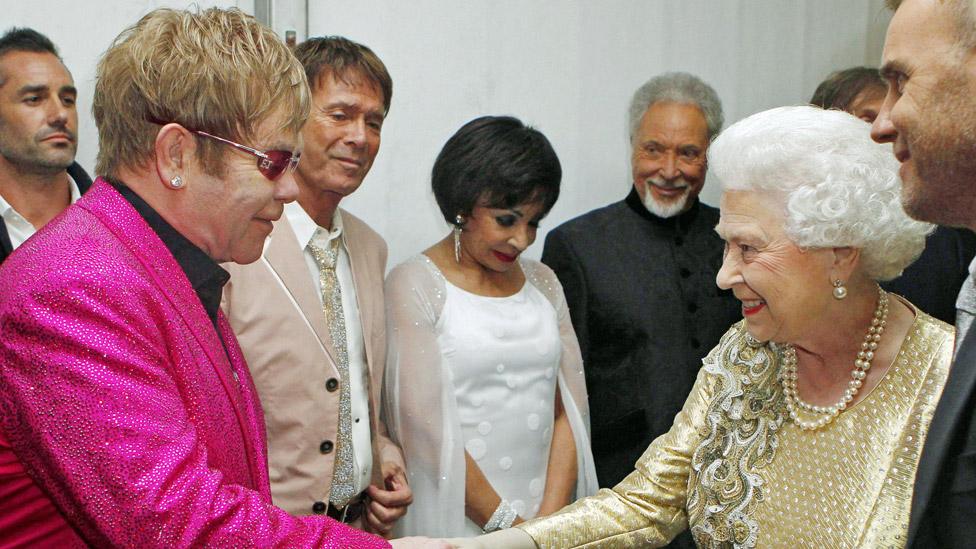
pixel 837 186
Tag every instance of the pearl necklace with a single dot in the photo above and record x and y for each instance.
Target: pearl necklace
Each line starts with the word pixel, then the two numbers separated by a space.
pixel 861 365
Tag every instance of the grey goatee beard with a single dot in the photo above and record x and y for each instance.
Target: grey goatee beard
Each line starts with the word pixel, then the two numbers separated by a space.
pixel 670 208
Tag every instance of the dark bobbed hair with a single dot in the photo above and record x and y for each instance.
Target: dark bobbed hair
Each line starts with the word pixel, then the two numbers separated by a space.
pixel 841 87
pixel 495 161
pixel 343 58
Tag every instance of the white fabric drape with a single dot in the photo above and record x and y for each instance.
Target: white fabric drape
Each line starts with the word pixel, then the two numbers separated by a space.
pixel 420 403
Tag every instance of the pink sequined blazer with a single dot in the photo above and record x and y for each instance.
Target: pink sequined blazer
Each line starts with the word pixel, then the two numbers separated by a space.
pixel 123 420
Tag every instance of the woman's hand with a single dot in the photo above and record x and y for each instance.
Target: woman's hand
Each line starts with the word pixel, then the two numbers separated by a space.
pixel 512 538
pixel 420 543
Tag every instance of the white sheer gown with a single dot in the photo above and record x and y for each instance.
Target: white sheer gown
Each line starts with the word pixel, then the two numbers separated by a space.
pixel 476 373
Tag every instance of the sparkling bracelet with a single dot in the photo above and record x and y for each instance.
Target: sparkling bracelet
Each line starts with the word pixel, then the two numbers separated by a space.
pixel 502 518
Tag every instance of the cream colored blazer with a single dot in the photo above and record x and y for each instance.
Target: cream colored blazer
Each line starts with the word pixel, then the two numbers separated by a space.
pixel 274 308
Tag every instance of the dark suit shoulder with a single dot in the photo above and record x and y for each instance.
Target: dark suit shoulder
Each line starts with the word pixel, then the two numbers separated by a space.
pixel 593 220
pixel 959 242
pixel 709 214
pixel 80 177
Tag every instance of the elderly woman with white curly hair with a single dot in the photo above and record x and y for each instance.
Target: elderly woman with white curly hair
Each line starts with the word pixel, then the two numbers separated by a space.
pixel 805 424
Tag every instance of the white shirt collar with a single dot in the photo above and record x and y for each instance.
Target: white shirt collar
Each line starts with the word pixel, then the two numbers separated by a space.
pixel 5 206
pixel 305 227
pixel 75 191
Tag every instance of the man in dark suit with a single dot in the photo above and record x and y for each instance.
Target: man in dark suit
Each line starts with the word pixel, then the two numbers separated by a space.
pixel 929 114
pixel 639 276
pixel 38 137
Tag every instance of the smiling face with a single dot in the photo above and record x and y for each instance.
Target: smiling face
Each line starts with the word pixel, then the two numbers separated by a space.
pixel 342 135
pixel 232 214
pixel 668 159
pixel 929 113
pixel 38 119
pixel 783 289
pixel 495 237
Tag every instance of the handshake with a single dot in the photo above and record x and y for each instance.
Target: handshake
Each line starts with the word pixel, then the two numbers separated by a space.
pixel 511 538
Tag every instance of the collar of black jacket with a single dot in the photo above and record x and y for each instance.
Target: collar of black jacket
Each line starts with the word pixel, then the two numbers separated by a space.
pixel 680 222
pixel 204 274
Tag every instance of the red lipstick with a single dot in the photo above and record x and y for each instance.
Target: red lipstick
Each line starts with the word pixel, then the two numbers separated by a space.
pixel 749 311
pixel 504 257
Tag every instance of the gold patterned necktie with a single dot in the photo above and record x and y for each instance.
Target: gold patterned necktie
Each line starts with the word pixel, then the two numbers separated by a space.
pixel 343 488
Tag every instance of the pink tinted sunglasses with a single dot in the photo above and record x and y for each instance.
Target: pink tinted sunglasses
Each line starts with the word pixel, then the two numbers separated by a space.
pixel 271 164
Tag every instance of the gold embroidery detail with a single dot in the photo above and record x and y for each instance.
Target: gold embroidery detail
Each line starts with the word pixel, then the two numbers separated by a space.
pixel 738 440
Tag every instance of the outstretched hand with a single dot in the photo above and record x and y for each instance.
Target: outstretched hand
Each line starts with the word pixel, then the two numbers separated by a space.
pixel 420 543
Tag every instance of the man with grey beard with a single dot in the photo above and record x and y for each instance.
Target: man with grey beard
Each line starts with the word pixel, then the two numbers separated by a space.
pixel 38 137
pixel 639 276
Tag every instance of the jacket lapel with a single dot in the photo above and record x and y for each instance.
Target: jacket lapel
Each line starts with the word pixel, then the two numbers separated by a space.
pixel 948 414
pixel 143 243
pixel 251 408
pixel 365 296
pixel 286 258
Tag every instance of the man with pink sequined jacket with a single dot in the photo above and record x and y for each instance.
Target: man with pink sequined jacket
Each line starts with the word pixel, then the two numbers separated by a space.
pixel 128 417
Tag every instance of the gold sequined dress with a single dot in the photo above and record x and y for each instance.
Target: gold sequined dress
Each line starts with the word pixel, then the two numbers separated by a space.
pixel 737 471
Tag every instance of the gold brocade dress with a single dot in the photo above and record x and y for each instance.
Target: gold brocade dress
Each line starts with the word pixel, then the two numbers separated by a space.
pixel 739 473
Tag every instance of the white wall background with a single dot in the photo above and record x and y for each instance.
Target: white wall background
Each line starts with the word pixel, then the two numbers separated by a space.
pixel 567 67
pixel 82 30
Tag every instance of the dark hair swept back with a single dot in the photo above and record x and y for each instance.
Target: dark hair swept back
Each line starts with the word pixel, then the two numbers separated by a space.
pixel 841 87
pixel 25 39
pixel 495 161
pixel 344 59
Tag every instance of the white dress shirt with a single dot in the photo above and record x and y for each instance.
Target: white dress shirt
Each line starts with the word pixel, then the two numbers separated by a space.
pixel 305 228
pixel 18 228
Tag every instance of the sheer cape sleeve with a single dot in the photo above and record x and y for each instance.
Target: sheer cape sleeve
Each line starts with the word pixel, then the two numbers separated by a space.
pixel 421 407
pixel 572 382
pixel 419 401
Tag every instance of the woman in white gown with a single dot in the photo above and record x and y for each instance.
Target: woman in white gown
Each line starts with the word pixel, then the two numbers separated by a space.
pixel 484 379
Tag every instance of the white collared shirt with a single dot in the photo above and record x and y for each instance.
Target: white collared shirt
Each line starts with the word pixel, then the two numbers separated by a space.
pixel 18 228
pixel 305 228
